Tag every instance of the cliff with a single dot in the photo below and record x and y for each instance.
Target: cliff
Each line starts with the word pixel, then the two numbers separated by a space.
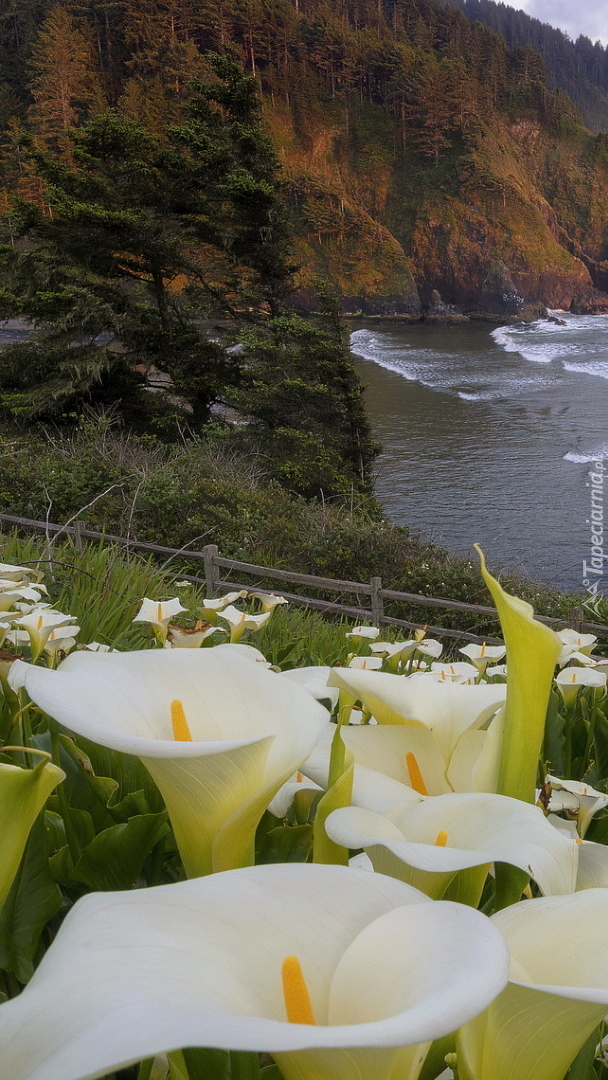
pixel 388 226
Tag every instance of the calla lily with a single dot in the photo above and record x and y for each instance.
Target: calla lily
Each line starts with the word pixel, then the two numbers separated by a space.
pixel 269 601
pixel 360 633
pixel 577 798
pixel 428 843
pixel 219 733
pixel 39 624
pixel 577 642
pixel 496 671
pixel 337 974
pixel 459 671
pixel 438 723
pixel 571 679
pixel 365 663
pixel 15 573
pixel 557 994
pixel 14 593
pixel 23 793
pixel 182 637
pixel 532 652
pixel 240 621
pixel 430 647
pixel 568 656
pixel 212 607
pixel 159 615
pixel 482 655
pixel 393 652
pixel 61 639
pixel 371 788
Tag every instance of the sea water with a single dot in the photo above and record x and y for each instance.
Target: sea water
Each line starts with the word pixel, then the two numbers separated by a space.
pixel 497 436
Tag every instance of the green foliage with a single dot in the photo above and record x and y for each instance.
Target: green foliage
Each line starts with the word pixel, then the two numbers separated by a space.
pixel 124 216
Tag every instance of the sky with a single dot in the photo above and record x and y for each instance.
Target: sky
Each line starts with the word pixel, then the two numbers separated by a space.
pixel 589 17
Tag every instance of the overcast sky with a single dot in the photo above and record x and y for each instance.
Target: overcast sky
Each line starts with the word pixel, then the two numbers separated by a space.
pixel 588 17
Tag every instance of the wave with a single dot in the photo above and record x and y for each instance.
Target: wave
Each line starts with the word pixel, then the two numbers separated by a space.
pixel 580 458
pixel 598 368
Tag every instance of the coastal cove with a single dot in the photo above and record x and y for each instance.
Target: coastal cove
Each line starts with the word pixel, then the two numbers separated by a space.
pixel 489 435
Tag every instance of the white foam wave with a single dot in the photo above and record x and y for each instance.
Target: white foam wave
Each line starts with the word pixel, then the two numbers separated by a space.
pixel 483 395
pixel 601 454
pixel 598 368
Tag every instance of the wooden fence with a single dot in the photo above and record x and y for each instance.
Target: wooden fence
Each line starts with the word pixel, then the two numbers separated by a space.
pixel 370 597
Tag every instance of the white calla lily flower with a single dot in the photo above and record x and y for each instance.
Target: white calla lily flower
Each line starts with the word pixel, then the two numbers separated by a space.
pixel 219 734
pixel 569 657
pixel 428 843
pixel 360 633
pixel 438 724
pixel 482 655
pixel 15 573
pixel 460 671
pixel 577 642
pixel 240 621
pixel 39 624
pixel 183 637
pixel 365 663
pixel 556 996
pixel 221 602
pixel 571 679
pixel 313 964
pixel 576 798
pixel 371 788
pixel 430 647
pixel 14 594
pixel 159 615
pixel 393 651
pixel 269 601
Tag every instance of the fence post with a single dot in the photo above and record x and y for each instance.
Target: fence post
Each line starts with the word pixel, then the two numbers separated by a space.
pixel 211 552
pixel 576 616
pixel 78 540
pixel 377 602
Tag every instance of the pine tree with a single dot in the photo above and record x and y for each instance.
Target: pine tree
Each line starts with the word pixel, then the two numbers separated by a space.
pixel 65 86
pixel 142 236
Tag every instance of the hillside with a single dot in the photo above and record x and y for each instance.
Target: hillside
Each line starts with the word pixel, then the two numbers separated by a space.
pixel 422 154
pixel 579 67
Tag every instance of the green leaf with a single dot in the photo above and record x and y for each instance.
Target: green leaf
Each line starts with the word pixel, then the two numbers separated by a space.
pixel 555 737
pixel 582 1067
pixel 286 843
pixel 33 899
pixel 600 746
pixel 115 857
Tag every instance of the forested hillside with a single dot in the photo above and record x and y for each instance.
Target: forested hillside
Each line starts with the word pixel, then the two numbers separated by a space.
pixel 579 67
pixel 400 153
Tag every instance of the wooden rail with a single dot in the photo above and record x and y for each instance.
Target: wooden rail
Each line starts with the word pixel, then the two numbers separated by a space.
pixel 372 592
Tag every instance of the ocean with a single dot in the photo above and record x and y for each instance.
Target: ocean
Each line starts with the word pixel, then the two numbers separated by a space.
pixel 497 436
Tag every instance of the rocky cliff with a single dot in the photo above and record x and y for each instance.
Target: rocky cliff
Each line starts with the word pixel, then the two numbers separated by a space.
pixel 391 229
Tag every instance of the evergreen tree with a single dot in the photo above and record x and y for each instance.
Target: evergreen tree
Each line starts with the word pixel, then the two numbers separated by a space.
pixel 65 85
pixel 138 237
pixel 304 402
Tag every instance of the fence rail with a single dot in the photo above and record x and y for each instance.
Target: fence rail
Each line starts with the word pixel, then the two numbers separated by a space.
pixel 374 594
